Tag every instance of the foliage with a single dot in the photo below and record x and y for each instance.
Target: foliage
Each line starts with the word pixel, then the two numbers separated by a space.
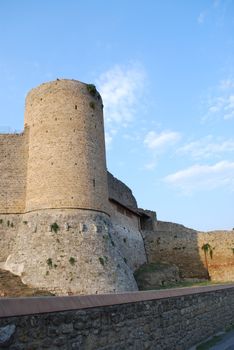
pixel 103 260
pixel 54 227
pixel 92 89
pixel 210 343
pixel 49 263
pixel 72 260
pixel 208 249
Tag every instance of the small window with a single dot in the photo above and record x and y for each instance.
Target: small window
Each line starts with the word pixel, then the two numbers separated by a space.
pixel 94 182
pixel 75 106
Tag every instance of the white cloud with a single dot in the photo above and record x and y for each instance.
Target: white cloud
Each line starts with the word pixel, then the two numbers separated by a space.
pixel 160 141
pixel 203 177
pixel 108 139
pixel 220 105
pixel 150 166
pixel 201 17
pixel 120 88
pixel 226 84
pixel 207 147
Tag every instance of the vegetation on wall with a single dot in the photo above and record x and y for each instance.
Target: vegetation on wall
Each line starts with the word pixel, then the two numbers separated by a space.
pixel 72 260
pixel 207 249
pixel 92 89
pixel 49 263
pixel 54 227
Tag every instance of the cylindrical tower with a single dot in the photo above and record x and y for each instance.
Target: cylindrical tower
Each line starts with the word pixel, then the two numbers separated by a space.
pixel 64 243
pixel 66 165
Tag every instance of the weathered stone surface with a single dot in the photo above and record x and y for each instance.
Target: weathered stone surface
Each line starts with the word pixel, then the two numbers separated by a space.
pixel 120 192
pixel 156 275
pixel 6 335
pixel 176 244
pixel 65 262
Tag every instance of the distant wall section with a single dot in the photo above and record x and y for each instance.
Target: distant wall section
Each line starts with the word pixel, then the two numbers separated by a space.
pixel 182 246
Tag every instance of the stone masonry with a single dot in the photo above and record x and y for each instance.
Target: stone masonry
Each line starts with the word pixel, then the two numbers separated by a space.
pixel 165 320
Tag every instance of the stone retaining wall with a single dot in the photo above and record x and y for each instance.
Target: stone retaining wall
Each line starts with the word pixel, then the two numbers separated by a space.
pixel 160 320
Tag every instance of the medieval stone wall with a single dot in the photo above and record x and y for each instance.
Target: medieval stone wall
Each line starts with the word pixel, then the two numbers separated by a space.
pixel 13 169
pixel 66 166
pixel 69 252
pixel 179 245
pixel 127 236
pixel 120 192
pixel 221 261
pixel 9 226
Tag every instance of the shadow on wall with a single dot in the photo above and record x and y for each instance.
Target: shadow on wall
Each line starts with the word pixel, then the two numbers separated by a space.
pixel 202 255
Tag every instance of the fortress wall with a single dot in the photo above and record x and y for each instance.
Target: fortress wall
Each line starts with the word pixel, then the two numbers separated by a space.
pixel 179 245
pixel 67 166
pixel 77 259
pixel 221 265
pixel 127 236
pixel 120 192
pixel 9 225
pixel 175 244
pixel 13 167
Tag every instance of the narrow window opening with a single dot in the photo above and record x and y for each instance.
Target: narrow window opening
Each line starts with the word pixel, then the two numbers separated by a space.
pixel 75 106
pixel 94 182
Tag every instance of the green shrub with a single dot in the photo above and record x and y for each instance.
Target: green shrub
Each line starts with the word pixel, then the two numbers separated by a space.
pixel 101 260
pixel 72 260
pixel 92 89
pixel 54 227
pixel 49 263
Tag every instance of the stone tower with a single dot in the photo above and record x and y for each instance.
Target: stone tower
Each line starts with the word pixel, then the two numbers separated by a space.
pixel 66 164
pixel 64 241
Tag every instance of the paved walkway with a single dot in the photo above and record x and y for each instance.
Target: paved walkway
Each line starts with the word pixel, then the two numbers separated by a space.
pixel 227 343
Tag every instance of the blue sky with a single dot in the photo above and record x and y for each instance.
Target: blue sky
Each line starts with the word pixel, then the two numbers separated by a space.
pixel 165 70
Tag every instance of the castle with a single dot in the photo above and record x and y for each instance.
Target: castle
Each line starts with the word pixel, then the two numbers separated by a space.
pixel 69 226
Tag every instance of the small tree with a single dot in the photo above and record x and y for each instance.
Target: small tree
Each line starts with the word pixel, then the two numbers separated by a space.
pixel 207 249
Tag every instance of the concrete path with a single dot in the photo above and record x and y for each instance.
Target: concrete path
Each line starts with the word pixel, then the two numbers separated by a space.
pixel 227 343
